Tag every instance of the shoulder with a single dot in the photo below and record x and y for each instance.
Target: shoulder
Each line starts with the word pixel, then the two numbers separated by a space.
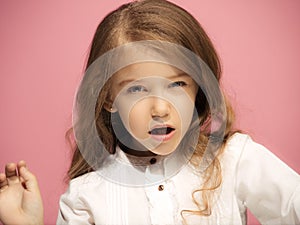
pixel 241 150
pixel 77 204
pixel 235 145
pixel 248 159
pixel 237 140
pixel 242 144
pixel 84 182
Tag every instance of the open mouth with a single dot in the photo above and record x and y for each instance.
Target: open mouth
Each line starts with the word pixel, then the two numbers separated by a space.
pixel 162 133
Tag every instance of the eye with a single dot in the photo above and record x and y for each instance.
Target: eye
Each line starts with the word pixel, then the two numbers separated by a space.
pixel 136 89
pixel 177 84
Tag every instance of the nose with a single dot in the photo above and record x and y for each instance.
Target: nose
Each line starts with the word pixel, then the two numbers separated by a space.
pixel 160 108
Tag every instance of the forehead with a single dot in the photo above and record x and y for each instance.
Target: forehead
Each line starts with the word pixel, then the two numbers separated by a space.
pixel 146 69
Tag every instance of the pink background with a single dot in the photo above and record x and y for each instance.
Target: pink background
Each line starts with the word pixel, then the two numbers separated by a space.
pixel 44 46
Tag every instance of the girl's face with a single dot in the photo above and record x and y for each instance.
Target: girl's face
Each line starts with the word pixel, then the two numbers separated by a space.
pixel 155 102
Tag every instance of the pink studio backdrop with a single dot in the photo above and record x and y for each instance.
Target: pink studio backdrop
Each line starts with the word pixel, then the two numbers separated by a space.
pixel 44 45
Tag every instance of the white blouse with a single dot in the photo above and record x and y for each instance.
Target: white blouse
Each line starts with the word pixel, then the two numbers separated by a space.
pixel 252 178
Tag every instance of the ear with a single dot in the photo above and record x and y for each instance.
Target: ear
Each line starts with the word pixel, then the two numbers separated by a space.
pixel 108 106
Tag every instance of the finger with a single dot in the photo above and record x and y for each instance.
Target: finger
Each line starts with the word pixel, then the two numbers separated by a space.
pixel 3 181
pixel 11 173
pixel 29 179
pixel 20 164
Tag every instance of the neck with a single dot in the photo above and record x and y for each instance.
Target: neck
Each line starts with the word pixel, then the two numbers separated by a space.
pixel 130 151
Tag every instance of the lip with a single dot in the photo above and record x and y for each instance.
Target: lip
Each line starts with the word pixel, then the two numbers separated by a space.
pixel 163 137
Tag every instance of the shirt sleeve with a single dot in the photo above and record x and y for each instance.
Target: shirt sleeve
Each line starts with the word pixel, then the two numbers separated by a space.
pixel 72 210
pixel 267 186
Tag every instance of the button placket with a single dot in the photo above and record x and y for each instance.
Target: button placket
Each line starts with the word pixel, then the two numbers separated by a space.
pixel 153 161
pixel 158 194
pixel 161 187
pixel 160 200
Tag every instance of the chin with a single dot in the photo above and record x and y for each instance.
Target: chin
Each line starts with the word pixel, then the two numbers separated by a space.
pixel 163 150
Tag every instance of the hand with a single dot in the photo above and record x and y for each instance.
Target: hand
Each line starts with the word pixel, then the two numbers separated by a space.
pixel 20 198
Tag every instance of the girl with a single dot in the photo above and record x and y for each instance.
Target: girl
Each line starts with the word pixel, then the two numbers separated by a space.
pixel 154 136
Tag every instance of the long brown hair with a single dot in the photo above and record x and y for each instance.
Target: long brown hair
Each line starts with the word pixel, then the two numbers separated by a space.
pixel 165 21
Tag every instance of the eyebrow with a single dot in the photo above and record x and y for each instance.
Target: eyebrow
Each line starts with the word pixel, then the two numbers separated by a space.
pixel 123 82
pixel 179 75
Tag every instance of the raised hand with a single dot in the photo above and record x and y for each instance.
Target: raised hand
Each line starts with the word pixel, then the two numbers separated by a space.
pixel 20 199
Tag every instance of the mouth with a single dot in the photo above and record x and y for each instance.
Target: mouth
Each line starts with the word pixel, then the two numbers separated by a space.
pixel 162 133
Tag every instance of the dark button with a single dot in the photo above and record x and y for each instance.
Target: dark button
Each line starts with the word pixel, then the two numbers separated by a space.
pixel 153 160
pixel 161 187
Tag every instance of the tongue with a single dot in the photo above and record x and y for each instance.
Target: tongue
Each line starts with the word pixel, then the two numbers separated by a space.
pixel 161 131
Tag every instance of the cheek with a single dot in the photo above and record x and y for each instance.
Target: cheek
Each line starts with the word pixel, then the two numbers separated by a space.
pixel 186 114
pixel 135 116
pixel 184 107
pixel 139 120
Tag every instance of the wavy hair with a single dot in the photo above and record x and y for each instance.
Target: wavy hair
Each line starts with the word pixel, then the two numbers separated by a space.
pixel 155 20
